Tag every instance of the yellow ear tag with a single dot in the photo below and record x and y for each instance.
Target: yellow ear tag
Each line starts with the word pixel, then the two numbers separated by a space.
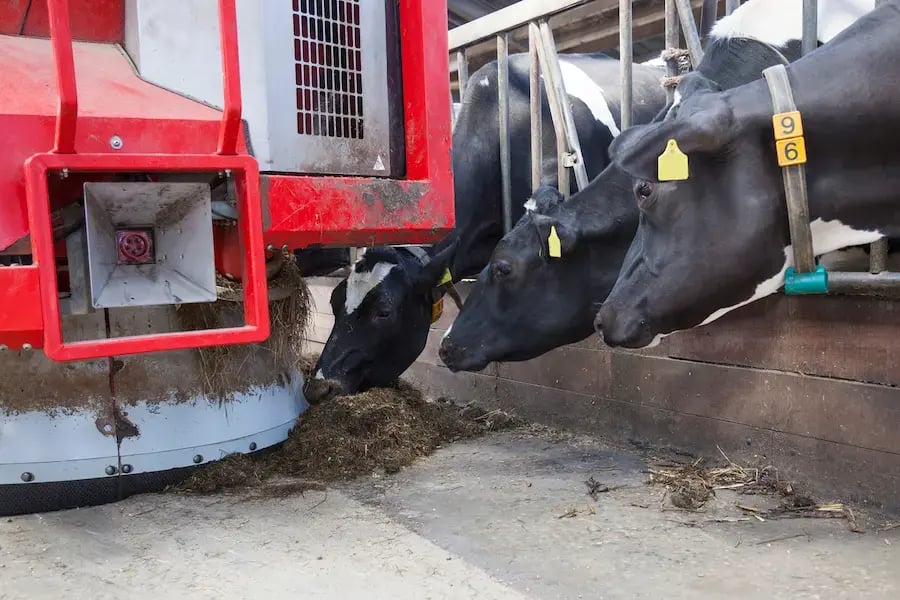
pixel 437 309
pixel 672 163
pixel 445 278
pixel 553 244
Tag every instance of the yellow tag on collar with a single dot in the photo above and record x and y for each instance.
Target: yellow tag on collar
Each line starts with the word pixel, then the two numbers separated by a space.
pixel 445 278
pixel 553 244
pixel 672 164
pixel 437 309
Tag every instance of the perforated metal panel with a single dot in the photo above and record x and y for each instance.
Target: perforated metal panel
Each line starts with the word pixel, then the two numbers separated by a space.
pixel 320 78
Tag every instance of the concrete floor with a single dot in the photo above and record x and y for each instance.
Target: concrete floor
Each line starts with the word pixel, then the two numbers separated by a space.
pixel 478 519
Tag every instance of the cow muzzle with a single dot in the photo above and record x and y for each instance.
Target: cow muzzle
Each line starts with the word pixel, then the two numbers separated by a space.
pixel 623 329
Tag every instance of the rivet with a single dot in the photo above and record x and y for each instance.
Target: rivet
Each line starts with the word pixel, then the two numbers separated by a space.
pixel 252 446
pixel 227 172
pixel 198 459
pixel 126 469
pixel 26 347
pixel 3 347
pixel 115 142
pixel 27 477
pixel 270 248
pixel 111 470
pixel 64 173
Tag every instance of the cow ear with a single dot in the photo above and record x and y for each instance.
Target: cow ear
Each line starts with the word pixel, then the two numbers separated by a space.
pixel 705 131
pixel 551 229
pixel 432 273
pixel 544 199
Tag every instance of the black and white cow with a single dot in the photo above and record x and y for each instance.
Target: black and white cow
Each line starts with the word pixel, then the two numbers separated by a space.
pixel 524 303
pixel 379 324
pixel 720 240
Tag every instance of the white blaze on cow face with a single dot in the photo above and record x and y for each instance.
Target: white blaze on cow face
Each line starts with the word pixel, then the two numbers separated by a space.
pixel 530 204
pixel 319 374
pixel 827 236
pixel 360 283
pixel 581 86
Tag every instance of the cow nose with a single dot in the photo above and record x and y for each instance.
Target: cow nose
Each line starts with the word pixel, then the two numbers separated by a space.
pixel 450 353
pixel 620 328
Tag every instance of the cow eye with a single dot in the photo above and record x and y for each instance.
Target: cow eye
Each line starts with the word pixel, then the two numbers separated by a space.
pixel 501 268
pixel 382 314
pixel 644 190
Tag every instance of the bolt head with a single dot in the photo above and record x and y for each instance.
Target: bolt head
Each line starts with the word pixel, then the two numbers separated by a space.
pixel 198 459
pixel 111 470
pixel 27 477
pixel 26 347
pixel 252 446
pixel 116 143
pixel 3 347
pixel 126 469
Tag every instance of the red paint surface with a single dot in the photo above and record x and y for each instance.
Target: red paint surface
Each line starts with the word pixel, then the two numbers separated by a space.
pixel 20 307
pixel 92 20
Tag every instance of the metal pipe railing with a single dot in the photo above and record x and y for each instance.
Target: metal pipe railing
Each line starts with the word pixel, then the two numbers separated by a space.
pixel 731 6
pixel 673 36
pixel 689 28
pixel 626 57
pixel 535 96
pixel 810 26
pixel 709 12
pixel 503 107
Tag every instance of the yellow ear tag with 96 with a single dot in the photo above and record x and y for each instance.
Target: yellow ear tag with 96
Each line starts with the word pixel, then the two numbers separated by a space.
pixel 672 164
pixel 445 278
pixel 553 245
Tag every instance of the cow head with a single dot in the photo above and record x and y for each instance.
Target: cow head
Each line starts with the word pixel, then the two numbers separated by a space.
pixel 703 245
pixel 382 314
pixel 525 302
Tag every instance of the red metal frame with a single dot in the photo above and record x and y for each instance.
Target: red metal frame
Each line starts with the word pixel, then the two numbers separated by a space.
pixel 164 132
pixel 360 211
pixel 243 168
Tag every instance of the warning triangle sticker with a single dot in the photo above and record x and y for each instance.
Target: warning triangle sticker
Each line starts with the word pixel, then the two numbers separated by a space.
pixel 379 164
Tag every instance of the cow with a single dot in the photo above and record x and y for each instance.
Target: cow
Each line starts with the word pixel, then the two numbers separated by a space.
pixel 381 309
pixel 525 303
pixel 719 240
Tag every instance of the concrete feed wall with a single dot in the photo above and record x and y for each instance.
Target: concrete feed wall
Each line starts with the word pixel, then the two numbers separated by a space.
pixel 807 383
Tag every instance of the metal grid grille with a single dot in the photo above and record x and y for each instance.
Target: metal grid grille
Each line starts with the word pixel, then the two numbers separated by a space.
pixel 328 57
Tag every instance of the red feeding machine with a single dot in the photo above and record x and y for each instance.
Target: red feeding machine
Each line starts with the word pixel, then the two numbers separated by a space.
pixel 151 147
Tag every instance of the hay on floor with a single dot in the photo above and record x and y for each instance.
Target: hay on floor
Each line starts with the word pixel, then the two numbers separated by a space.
pixel 381 430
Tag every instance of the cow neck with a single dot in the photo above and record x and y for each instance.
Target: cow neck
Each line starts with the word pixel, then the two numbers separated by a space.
pixel 850 145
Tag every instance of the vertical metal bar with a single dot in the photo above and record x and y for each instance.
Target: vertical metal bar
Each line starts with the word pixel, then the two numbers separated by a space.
pixel 731 6
pixel 625 59
pixel 810 26
pixel 672 39
pixel 462 72
pixel 503 107
pixel 878 252
pixel 534 81
pixel 689 27
pixel 550 65
pixel 67 109
pixel 709 11
pixel 231 79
